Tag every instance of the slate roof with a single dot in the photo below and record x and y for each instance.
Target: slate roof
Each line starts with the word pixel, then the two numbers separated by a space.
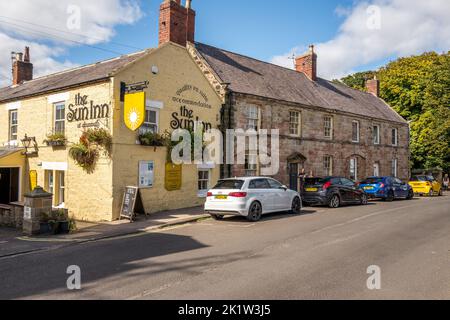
pixel 4 152
pixel 69 78
pixel 250 76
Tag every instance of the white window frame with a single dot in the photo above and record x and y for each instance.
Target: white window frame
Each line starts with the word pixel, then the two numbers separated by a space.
pixel 61 188
pixel 295 123
pixel 354 167
pixel 377 137
pixel 394 137
pixel 358 131
pixel 328 127
pixel 146 127
pixel 376 169
pixel 55 120
pixel 11 125
pixel 394 168
pixel 252 118
pixel 328 165
pixel 202 193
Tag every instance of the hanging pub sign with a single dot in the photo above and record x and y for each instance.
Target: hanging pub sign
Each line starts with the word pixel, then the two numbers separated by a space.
pixel 134 110
pixel 131 204
pixel 174 177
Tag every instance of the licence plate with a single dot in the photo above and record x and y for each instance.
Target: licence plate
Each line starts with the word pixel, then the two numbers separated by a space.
pixel 311 189
pixel 221 197
pixel 368 188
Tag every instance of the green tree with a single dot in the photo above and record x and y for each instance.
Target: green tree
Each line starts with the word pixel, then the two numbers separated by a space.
pixel 418 88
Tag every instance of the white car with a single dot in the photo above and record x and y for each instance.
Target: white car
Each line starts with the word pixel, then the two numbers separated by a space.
pixel 251 198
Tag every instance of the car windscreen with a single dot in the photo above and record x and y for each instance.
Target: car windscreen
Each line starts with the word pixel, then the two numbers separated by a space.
pixel 316 181
pixel 229 185
pixel 372 181
pixel 421 178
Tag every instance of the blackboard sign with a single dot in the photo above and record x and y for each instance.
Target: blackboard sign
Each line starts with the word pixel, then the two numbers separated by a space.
pixel 132 203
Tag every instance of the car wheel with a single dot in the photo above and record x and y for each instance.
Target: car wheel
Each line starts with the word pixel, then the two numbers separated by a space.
pixel 410 195
pixel 217 217
pixel 364 200
pixel 296 206
pixel 390 197
pixel 335 202
pixel 255 212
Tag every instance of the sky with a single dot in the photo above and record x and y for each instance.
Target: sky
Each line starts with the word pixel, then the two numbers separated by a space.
pixel 348 35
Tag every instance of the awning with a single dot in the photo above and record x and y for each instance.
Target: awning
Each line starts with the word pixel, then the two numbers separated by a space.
pixel 11 157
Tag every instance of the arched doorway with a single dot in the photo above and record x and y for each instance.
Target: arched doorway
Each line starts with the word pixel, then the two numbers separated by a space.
pixel 296 162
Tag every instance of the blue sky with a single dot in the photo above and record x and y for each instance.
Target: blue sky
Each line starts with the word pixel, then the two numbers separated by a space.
pixel 260 29
pixel 349 35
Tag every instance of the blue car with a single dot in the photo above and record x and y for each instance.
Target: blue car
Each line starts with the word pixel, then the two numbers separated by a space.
pixel 387 188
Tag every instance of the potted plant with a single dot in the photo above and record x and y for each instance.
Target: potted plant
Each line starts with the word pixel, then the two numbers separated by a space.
pixel 62 221
pixel 45 227
pixel 56 140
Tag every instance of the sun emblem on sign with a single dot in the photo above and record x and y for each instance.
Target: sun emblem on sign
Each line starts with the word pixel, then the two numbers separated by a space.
pixel 134 118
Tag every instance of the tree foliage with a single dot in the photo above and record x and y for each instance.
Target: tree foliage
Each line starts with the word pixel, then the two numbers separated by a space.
pixel 418 88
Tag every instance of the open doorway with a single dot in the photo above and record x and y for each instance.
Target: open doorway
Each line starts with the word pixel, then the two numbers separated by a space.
pixel 9 185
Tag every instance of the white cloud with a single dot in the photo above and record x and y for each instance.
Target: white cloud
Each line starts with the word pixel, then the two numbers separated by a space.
pixel 406 27
pixel 50 27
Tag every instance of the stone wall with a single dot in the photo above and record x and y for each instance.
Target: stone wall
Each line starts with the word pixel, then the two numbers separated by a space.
pixel 312 144
pixel 11 216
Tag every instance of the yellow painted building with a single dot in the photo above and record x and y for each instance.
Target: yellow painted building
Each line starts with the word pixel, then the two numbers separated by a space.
pixel 177 95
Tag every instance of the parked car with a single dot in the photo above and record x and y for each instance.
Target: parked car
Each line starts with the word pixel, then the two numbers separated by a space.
pixel 426 185
pixel 333 192
pixel 251 198
pixel 387 188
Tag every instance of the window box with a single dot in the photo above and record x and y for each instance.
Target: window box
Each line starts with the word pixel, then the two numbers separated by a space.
pixel 56 140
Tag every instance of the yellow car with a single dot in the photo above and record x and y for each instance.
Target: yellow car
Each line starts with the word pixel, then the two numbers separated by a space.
pixel 425 185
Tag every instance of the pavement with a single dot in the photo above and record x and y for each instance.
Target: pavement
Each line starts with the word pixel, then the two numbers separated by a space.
pixel 321 254
pixel 13 242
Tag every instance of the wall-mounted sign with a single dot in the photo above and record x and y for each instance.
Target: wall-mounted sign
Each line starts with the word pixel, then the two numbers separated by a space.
pixel 202 103
pixel 85 110
pixel 27 213
pixel 185 119
pixel 33 179
pixel 174 177
pixel 134 110
pixel 146 174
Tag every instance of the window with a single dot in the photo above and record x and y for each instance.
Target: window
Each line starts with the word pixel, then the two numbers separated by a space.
pixel 229 184
pixel 49 181
pixel 60 118
pixel 61 188
pixel 347 183
pixel 150 121
pixel 203 180
pixel 13 123
pixel 355 131
pixel 394 168
pixel 294 123
pixel 252 118
pixel 328 127
pixel 395 137
pixel 328 165
pixel 354 169
pixel 259 184
pixel 274 184
pixel 376 169
pixel 376 134
pixel 251 167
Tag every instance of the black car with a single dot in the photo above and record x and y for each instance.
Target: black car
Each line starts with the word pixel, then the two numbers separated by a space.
pixel 333 192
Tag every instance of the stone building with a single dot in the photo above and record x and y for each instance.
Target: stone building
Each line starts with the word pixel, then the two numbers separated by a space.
pixel 325 128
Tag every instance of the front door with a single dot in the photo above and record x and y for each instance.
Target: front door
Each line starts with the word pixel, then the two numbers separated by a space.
pixel 9 185
pixel 293 177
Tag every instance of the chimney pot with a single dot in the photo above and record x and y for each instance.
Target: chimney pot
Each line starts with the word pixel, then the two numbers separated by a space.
pixel 22 68
pixel 176 23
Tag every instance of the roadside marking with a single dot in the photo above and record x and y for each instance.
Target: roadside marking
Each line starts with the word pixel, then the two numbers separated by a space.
pixel 2 242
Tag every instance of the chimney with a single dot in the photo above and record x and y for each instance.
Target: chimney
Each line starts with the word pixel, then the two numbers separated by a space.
pixel 22 68
pixel 176 23
pixel 373 86
pixel 307 64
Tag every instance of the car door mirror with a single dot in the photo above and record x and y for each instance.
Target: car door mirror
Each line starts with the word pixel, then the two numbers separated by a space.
pixel 285 188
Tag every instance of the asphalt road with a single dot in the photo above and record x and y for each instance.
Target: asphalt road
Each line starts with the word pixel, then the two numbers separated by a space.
pixel 322 254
